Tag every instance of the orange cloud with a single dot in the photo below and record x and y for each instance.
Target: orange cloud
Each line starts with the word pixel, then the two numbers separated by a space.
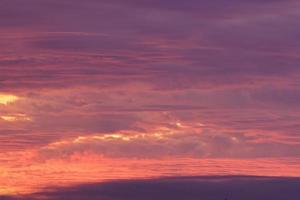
pixel 24 172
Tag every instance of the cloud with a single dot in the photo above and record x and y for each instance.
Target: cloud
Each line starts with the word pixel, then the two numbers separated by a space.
pixel 212 121
pixel 137 80
pixel 171 142
pixel 144 44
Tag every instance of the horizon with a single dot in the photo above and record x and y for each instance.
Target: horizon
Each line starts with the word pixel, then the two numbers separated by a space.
pixel 189 188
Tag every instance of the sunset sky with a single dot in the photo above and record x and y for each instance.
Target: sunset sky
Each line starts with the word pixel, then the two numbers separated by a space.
pixel 97 90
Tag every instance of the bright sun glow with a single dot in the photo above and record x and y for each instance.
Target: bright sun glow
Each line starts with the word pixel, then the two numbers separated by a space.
pixel 6 99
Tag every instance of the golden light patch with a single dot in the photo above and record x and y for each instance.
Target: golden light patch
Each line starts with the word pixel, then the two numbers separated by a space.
pixel 9 118
pixel 7 99
pixel 122 136
pixel 105 137
pixel 17 117
pixel 8 190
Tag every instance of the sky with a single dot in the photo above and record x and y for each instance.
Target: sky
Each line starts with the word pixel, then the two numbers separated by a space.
pixel 121 89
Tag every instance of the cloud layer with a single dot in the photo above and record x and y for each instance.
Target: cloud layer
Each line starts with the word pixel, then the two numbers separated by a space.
pixel 130 79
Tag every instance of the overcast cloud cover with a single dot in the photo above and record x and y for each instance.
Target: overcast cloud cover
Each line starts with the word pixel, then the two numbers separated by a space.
pixel 141 79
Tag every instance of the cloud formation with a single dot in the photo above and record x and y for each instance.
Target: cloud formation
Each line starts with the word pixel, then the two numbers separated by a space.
pixel 130 79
